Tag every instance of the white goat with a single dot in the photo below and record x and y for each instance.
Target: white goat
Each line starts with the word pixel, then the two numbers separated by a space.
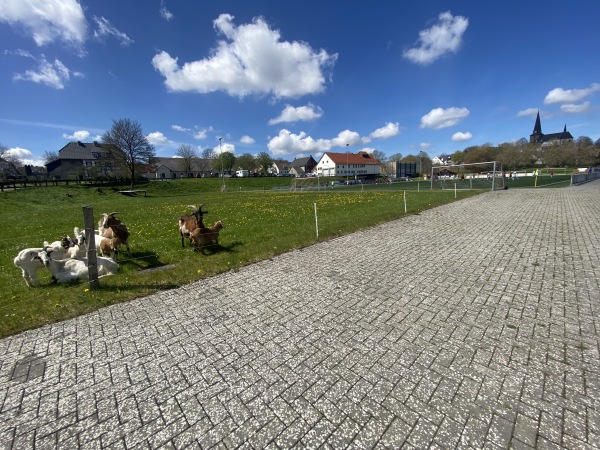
pixel 28 260
pixel 79 250
pixel 66 270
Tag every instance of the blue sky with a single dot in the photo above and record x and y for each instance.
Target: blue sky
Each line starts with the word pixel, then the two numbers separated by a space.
pixel 297 78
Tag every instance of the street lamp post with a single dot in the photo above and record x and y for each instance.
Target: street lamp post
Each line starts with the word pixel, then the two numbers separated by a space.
pixel 222 174
pixel 347 163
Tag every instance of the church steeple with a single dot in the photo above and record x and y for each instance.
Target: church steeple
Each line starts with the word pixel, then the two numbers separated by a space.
pixel 537 129
pixel 537 135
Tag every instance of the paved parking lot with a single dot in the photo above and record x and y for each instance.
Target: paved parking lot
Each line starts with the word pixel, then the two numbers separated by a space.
pixel 472 325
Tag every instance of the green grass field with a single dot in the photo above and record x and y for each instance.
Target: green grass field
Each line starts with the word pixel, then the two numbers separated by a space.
pixel 260 222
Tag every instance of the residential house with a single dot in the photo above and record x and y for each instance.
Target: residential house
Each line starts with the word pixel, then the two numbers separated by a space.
pixel 441 160
pixel 172 168
pixel 555 138
pixel 302 167
pixel 280 167
pixel 359 165
pixel 84 160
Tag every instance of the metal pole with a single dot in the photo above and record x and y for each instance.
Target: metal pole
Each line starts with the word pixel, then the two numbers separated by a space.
pixel 88 223
pixel 316 221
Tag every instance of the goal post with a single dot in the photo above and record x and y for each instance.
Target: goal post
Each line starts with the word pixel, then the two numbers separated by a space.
pixel 483 175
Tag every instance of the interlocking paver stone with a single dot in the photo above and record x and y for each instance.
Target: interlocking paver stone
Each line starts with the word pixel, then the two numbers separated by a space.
pixel 472 325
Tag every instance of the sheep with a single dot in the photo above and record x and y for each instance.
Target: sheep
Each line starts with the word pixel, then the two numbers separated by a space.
pixel 202 237
pixel 110 227
pixel 29 262
pixel 188 223
pixel 79 250
pixel 66 270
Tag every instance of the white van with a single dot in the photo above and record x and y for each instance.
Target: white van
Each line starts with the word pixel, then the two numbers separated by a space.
pixel 241 173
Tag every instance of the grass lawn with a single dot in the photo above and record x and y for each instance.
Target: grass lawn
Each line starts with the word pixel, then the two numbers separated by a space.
pixel 260 222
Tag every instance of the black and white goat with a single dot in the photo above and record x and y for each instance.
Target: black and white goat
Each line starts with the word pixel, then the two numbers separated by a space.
pixel 65 270
pixel 188 223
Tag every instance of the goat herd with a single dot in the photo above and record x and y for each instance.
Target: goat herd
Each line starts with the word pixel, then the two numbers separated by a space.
pixel 66 259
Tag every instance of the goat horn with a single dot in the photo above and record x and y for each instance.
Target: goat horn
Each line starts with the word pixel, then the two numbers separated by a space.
pixel 113 213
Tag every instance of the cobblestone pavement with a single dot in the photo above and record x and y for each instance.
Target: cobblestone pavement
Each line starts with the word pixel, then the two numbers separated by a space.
pixel 472 325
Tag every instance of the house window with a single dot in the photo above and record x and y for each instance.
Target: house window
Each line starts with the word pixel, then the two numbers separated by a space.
pixel 96 154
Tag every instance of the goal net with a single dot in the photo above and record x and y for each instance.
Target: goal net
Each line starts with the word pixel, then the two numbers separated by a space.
pixel 484 175
pixel 301 184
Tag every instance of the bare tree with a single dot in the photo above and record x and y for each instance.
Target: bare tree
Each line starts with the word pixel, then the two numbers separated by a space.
pixel 396 157
pixel 127 136
pixel 50 156
pixel 189 158
pixel 379 156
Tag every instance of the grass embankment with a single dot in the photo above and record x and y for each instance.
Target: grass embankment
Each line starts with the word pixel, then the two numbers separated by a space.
pixel 259 224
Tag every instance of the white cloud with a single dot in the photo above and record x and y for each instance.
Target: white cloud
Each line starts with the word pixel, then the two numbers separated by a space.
pixel 575 109
pixel 157 138
pixel 299 114
pixel 252 59
pixel 247 140
pixel 19 152
pixel 443 37
pixel 224 147
pixel 54 74
pixel 164 12
pixel 346 138
pixel 105 28
pixel 287 142
pixel 461 137
pixel 80 135
pixel 443 118
pixel 46 20
pixel 424 145
pixel 180 128
pixel 529 112
pixel 389 130
pixel 560 95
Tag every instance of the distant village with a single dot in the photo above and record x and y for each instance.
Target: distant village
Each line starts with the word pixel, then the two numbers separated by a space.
pixel 97 160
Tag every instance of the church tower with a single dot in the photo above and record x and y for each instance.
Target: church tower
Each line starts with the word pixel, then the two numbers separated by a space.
pixel 537 135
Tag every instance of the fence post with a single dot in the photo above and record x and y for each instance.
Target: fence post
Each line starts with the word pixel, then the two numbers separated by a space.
pixel 88 223
pixel 316 221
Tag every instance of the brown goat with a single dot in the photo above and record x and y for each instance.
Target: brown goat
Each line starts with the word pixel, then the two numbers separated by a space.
pixel 110 247
pixel 203 237
pixel 110 227
pixel 188 223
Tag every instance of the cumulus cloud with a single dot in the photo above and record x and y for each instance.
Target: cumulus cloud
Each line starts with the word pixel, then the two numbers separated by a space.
pixel 157 138
pixel 299 114
pixel 250 60
pixel 247 140
pixel 80 135
pixel 443 37
pixel 54 74
pixel 575 109
pixel 529 112
pixel 164 12
pixel 560 95
pixel 389 130
pixel 46 20
pixel 424 145
pixel 443 118
pixel 287 142
pixel 461 137
pixel 105 28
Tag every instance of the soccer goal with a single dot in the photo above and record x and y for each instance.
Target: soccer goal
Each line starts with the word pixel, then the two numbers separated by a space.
pixel 305 184
pixel 484 175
